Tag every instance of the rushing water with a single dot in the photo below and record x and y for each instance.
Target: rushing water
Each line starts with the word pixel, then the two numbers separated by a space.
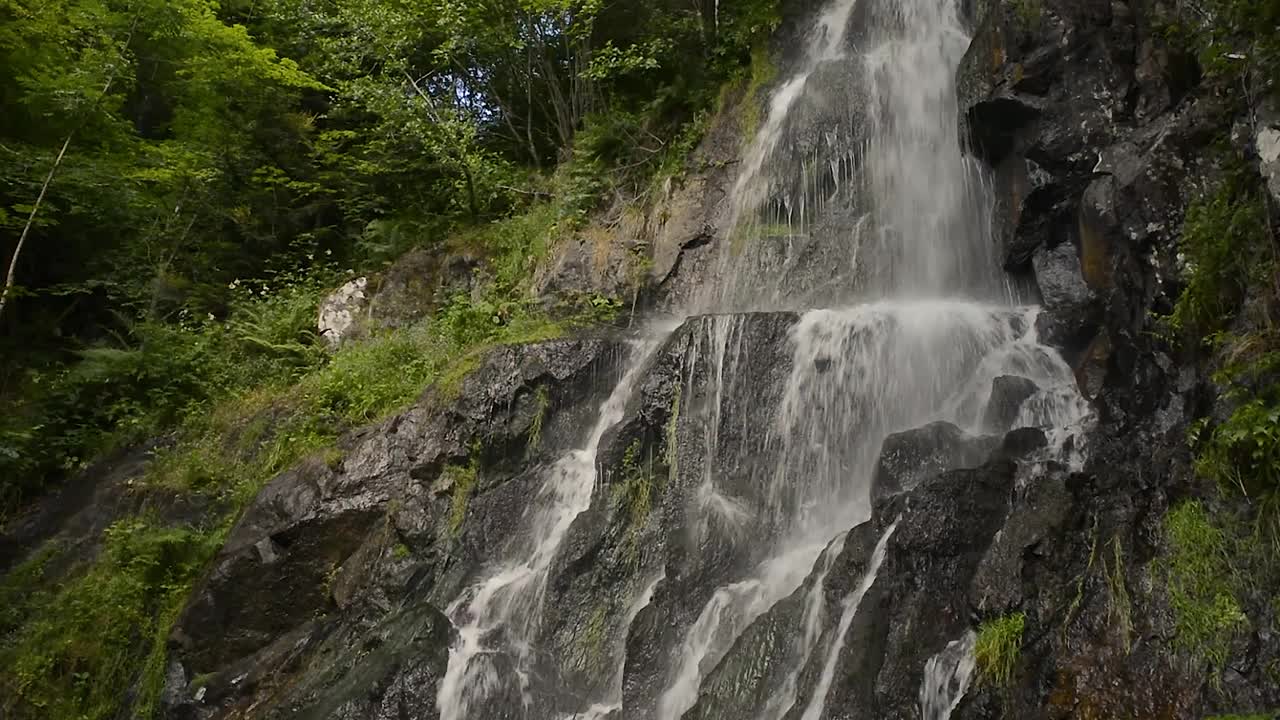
pixel 856 206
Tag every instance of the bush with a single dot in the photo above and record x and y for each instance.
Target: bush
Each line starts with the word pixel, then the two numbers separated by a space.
pixel 1225 248
pixel 154 377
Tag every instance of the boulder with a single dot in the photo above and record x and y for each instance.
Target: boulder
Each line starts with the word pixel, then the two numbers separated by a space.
pixel 1008 393
pixel 908 458
pixel 340 311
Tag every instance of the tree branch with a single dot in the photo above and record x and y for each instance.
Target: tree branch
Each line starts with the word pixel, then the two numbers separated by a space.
pixel 26 230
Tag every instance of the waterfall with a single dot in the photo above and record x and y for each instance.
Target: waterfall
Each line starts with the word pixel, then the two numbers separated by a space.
pixel 946 678
pixel 849 608
pixel 509 601
pixel 856 208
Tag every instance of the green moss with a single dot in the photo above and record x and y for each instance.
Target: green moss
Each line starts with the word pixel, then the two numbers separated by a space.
pixel 998 649
pixel 634 496
pixel 463 479
pixel 1201 585
pixel 542 402
pixel 1029 13
pixel 400 551
pixel 672 438
pixel 594 636
pixel 763 72
pixel 1120 607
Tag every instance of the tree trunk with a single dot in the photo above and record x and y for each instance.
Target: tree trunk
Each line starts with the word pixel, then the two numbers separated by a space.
pixel 26 230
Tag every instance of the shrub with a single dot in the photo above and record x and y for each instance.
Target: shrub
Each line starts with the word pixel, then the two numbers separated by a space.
pixel 1225 250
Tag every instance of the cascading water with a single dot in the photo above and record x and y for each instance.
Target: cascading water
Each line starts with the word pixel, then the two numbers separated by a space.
pixel 946 678
pixel 500 614
pixel 854 198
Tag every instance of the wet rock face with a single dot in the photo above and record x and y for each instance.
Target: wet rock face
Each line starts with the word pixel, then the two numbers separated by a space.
pixel 1097 132
pixel 1008 393
pixel 908 458
pixel 326 596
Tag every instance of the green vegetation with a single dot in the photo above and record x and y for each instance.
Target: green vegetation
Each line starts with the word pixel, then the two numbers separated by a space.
pixel 1030 13
pixel 1227 251
pixel 181 183
pixel 998 648
pixel 1121 608
pixel 1232 38
pixel 462 480
pixel 1203 586
pixel 634 495
pixel 542 401
pixel 207 161
pixel 86 639
pixel 1221 552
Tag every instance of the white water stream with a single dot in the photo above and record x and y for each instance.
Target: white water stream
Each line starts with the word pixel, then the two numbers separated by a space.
pixel 914 323
pixel 946 678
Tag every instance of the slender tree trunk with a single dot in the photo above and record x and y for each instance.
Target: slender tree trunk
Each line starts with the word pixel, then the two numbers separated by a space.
pixel 26 230
pixel 44 189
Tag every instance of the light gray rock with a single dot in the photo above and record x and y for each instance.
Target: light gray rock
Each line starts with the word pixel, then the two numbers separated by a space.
pixel 340 311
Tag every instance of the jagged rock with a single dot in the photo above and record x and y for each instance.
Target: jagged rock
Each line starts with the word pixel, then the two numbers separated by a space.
pixel 1007 395
pixel 340 310
pixel 910 457
pixel 359 536
pixel 943 529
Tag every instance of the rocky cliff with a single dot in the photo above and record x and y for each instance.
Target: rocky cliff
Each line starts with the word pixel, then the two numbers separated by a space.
pixel 342 589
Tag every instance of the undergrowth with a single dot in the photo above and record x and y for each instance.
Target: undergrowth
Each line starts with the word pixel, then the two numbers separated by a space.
pixel 245 399
pixel 99 633
pixel 1203 587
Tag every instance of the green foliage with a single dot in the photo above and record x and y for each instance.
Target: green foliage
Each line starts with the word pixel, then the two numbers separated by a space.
pixel 1030 13
pixel 998 648
pixel 1243 454
pixel 85 638
pixel 542 402
pixel 156 375
pixel 1232 37
pixel 463 481
pixel 1226 249
pixel 1202 586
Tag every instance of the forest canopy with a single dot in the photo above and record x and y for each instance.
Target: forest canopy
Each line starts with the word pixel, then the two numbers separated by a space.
pixel 193 148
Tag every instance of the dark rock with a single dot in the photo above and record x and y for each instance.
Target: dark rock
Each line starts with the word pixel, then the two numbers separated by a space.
pixel 1023 442
pixel 908 458
pixel 352 541
pixel 1007 395
pixel 942 530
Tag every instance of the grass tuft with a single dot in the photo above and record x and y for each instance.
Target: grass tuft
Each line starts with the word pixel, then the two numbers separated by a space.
pixel 998 648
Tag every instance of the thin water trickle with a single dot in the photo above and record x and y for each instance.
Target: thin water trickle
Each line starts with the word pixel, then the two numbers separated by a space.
pixel 946 678
pixel 818 702
pixel 500 614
